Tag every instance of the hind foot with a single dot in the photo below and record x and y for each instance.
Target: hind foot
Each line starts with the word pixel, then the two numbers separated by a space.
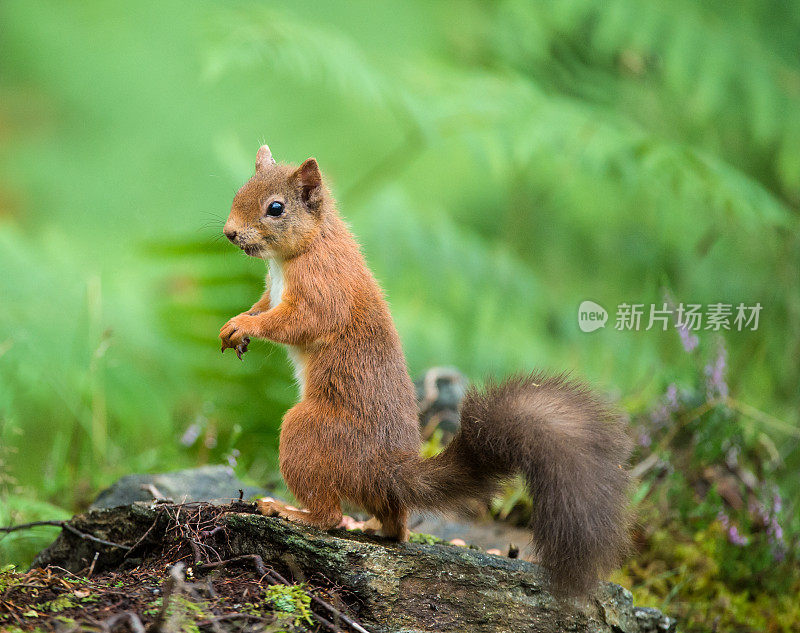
pixel 325 519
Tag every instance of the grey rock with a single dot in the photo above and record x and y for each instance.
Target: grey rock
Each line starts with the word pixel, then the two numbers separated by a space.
pixel 207 483
pixel 439 394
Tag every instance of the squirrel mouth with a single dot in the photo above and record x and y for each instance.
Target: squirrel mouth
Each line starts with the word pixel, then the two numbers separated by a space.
pixel 250 249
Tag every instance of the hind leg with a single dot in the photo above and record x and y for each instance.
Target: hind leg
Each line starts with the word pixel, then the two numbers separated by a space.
pixel 309 465
pixel 394 524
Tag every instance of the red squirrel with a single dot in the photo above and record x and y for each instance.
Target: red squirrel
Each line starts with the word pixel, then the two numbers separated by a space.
pixel 354 435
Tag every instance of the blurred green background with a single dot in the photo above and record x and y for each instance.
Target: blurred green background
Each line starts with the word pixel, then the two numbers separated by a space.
pixel 500 162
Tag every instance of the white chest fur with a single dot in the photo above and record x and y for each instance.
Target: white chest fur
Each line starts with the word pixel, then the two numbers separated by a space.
pixel 275 283
pixel 296 354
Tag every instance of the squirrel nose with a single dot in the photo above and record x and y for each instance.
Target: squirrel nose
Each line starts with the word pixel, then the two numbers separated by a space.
pixel 230 234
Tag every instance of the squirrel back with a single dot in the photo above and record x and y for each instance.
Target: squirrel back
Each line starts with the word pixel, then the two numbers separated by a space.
pixel 354 434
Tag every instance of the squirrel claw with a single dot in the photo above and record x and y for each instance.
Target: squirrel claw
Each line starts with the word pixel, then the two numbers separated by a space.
pixel 241 348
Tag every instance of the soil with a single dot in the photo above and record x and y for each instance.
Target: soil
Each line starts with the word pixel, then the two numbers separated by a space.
pixel 184 556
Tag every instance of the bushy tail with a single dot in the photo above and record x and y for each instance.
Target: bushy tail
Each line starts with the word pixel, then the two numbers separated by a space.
pixel 572 449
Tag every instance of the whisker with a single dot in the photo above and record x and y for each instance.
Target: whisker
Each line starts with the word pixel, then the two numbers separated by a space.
pixel 214 215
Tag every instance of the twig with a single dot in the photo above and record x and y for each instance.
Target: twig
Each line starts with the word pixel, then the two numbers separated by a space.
pixel 255 559
pixel 64 571
pixel 91 567
pixel 65 525
pixel 154 492
pixel 210 533
pixel 760 416
pixel 92 538
pixel 143 537
pixel 645 465
pixel 326 623
pixel 25 526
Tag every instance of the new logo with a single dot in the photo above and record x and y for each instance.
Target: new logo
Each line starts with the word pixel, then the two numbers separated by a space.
pixel 591 316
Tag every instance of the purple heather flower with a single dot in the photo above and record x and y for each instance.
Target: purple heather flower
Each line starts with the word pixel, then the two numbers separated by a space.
pixel 672 396
pixel 777 503
pixel 716 386
pixel 688 340
pixel 190 435
pixel 232 457
pixel 736 538
pixel 775 530
pixel 668 406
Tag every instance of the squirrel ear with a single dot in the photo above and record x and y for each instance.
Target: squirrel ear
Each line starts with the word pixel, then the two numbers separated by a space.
pixel 264 158
pixel 309 178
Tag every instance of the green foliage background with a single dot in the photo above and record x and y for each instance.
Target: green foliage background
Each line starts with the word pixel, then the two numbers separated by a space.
pixel 500 162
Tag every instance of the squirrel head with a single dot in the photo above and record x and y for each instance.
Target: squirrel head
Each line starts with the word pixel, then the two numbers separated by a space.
pixel 279 211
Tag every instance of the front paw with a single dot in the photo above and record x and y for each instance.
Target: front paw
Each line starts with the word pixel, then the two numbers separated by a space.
pixel 235 334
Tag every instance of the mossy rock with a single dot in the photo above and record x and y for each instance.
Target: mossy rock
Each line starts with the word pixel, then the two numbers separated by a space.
pixel 408 587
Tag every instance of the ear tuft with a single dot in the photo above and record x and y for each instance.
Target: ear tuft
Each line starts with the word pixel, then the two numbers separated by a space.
pixel 309 178
pixel 264 158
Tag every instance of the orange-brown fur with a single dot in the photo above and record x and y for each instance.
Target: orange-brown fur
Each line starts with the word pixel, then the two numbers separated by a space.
pixel 354 434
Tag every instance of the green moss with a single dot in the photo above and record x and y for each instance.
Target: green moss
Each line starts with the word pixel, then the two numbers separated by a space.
pixel 688 575
pixel 291 599
pixel 8 577
pixel 424 539
pixel 154 608
pixel 58 604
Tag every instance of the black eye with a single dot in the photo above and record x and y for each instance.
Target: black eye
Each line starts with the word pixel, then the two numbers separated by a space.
pixel 275 209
